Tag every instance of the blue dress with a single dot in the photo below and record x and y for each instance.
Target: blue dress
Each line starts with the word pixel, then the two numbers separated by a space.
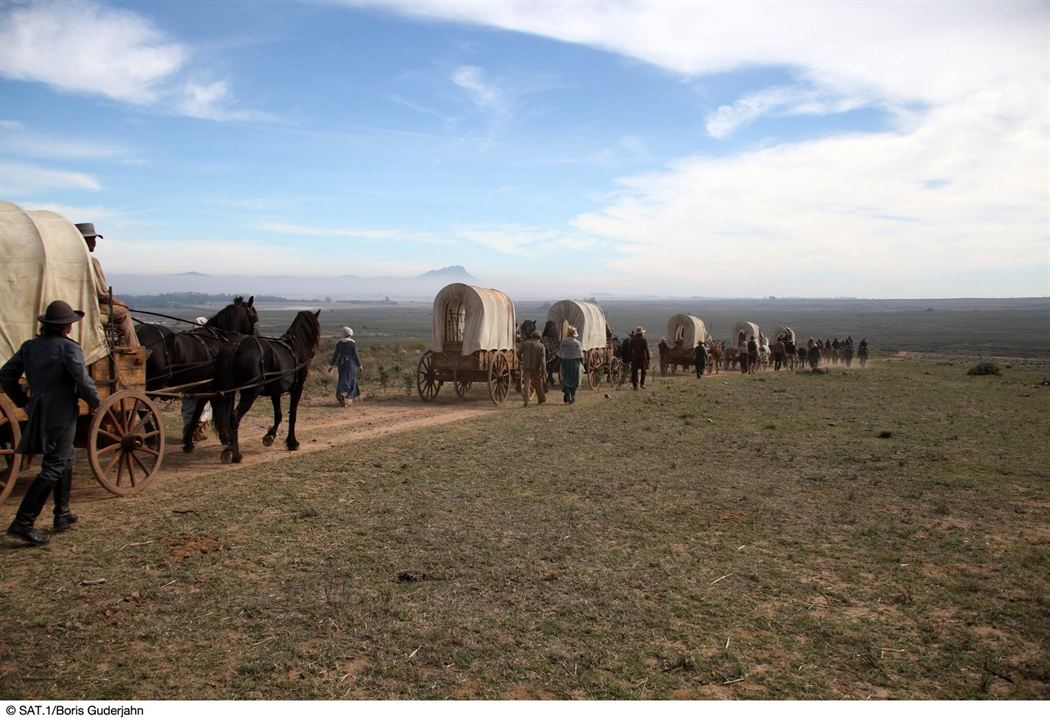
pixel 347 360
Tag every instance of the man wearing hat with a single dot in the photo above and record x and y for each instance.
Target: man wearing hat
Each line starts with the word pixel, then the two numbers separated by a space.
pixel 639 356
pixel 54 368
pixel 121 315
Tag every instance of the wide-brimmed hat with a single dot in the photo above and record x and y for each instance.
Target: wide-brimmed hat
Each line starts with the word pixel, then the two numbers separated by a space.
pixel 639 329
pixel 88 230
pixel 59 312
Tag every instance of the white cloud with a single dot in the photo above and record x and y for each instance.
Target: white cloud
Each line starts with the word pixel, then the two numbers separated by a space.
pixel 484 94
pixel 958 184
pixel 88 47
pixel 333 232
pixel 862 214
pixel 780 101
pixel 20 178
pixel 19 140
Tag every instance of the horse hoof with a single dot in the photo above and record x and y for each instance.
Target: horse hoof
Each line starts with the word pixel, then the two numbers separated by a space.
pixel 293 446
pixel 225 456
pixel 187 449
pixel 268 440
pixel 237 458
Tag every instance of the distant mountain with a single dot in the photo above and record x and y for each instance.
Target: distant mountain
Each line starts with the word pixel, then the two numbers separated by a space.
pixel 452 273
pixel 344 287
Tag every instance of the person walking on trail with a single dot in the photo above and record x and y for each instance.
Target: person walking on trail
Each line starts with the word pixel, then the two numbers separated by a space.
pixel 752 356
pixel 533 368
pixel 639 357
pixel 625 357
pixel 119 314
pixel 570 352
pixel 779 354
pixel 346 359
pixel 700 359
pixel 862 352
pixel 53 364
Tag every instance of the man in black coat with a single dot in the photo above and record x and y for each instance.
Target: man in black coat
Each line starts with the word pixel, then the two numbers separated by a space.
pixel 639 356
pixel 700 359
pixel 54 368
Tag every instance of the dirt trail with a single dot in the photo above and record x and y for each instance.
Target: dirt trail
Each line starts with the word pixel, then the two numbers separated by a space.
pixel 320 426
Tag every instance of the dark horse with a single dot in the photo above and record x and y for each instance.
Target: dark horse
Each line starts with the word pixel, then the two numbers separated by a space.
pixel 257 366
pixel 188 357
pixel 550 342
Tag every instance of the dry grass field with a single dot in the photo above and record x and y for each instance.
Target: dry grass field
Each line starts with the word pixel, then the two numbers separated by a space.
pixel 860 534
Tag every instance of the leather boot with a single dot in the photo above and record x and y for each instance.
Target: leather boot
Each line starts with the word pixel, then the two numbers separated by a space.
pixel 63 517
pixel 26 532
pixel 32 504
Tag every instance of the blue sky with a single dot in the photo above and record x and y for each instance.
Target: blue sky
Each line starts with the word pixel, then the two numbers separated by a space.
pixel 880 150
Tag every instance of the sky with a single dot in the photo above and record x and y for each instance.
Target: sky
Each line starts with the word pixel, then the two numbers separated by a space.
pixel 885 149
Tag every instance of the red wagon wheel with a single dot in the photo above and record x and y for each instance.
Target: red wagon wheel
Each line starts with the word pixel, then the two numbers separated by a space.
pixel 499 378
pixel 426 377
pixel 10 434
pixel 126 442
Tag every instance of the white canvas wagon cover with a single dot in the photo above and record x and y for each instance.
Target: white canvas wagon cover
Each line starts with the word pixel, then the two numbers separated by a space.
pixel 586 317
pixel 687 328
pixel 750 330
pixel 785 332
pixel 43 257
pixel 480 318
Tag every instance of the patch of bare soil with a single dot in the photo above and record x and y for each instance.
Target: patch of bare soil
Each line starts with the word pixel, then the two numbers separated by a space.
pixel 320 426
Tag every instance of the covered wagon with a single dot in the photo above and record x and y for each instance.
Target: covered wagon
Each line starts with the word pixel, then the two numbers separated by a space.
pixel 45 258
pixel 744 331
pixel 474 341
pixel 684 333
pixel 595 336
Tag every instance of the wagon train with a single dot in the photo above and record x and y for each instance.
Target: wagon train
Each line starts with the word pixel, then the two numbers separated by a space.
pixel 46 258
pixel 474 342
pixel 684 333
pixel 600 362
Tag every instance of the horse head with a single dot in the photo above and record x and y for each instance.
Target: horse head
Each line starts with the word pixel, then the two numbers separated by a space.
pixel 237 317
pixel 526 329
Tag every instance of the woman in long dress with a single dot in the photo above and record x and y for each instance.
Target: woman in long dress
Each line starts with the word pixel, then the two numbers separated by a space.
pixel 570 352
pixel 348 361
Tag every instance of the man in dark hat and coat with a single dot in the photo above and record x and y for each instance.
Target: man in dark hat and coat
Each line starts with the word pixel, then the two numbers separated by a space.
pixel 53 364
pixel 639 356
pixel 119 314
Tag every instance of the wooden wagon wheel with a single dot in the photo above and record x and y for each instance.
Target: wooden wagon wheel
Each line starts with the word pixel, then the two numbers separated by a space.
pixel 426 377
pixel 463 386
pixel 614 372
pixel 595 369
pixel 10 434
pixel 499 378
pixel 126 442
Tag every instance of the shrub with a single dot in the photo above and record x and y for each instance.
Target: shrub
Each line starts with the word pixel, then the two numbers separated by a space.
pixel 985 368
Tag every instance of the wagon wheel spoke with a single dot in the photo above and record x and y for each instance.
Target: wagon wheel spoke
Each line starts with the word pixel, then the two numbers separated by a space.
pixel 135 457
pixel 143 418
pixel 108 434
pixel 131 470
pixel 107 449
pixel 120 467
pixel 149 451
pixel 116 423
